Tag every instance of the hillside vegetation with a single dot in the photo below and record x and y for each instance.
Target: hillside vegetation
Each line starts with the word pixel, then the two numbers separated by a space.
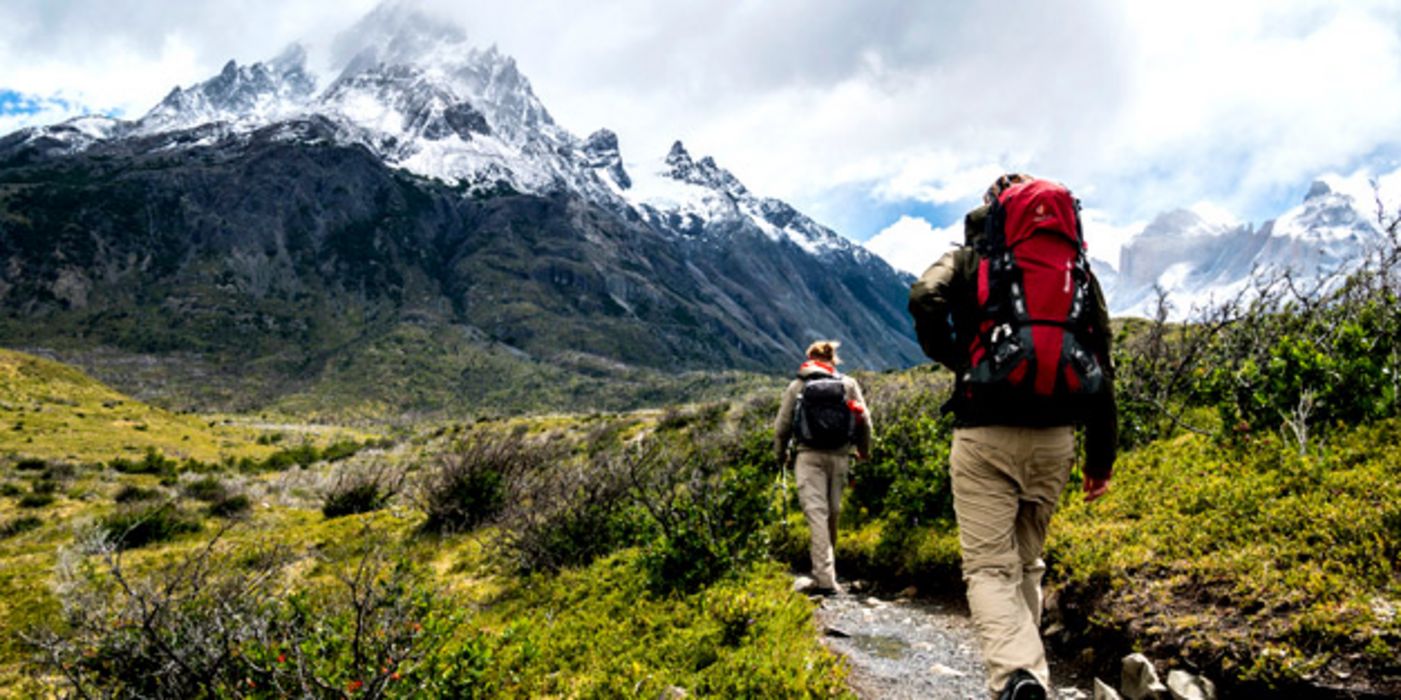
pixel 49 410
pixel 1252 534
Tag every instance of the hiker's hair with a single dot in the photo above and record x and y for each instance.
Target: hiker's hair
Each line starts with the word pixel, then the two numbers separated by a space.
pixel 824 350
pixel 999 185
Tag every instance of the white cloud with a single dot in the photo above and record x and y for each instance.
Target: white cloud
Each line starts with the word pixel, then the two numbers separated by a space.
pixel 1103 238
pixel 1139 107
pixel 913 244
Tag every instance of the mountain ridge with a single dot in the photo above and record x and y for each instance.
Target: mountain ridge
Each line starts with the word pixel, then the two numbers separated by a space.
pixel 271 224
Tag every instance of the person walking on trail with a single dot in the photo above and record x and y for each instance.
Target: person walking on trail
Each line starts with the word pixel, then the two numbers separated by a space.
pixel 1020 319
pixel 825 417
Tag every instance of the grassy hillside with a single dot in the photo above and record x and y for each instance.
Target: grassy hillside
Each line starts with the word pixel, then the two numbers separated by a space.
pixel 49 410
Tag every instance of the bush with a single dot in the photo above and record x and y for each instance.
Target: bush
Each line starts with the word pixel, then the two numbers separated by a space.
pixel 153 463
pixel 231 506
pixel 708 499
pixel 208 489
pixel 571 514
pixel 131 493
pixel 907 475
pixel 11 489
pixel 467 486
pixel 36 500
pixel 208 626
pixel 360 489
pixel 19 525
pixel 31 465
pixel 140 524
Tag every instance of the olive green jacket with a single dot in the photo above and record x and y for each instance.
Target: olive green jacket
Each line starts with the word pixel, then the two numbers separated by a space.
pixel 942 302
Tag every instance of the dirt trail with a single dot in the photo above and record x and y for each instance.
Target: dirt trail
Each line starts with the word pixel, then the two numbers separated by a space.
pixel 900 648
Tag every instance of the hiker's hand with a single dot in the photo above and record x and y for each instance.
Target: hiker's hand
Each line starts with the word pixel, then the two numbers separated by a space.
pixel 1094 488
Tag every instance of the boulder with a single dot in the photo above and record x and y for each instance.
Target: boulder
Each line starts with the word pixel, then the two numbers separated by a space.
pixel 1104 692
pixel 1139 679
pixel 1185 686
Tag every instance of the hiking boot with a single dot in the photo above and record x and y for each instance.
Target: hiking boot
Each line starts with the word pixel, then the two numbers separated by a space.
pixel 825 591
pixel 1022 686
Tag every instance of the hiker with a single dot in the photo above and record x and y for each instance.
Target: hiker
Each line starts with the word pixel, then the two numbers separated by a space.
pixel 825 416
pixel 1020 319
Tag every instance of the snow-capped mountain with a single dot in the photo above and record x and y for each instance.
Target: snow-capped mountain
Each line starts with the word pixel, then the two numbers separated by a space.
pixel 416 93
pixel 285 218
pixel 1200 258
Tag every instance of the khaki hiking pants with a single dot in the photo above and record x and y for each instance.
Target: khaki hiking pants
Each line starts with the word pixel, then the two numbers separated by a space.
pixel 821 476
pixel 1006 482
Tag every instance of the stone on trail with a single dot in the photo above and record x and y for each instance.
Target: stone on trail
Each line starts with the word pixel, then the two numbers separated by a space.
pixel 802 583
pixel 1104 692
pixel 1185 686
pixel 942 670
pixel 1139 679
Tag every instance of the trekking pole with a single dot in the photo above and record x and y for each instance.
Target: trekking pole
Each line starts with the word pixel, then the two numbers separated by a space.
pixel 783 488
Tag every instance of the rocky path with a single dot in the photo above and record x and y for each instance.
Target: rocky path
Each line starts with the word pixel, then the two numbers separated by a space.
pixel 903 648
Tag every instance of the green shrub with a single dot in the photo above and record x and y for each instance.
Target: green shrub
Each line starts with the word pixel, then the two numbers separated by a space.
pixel 206 626
pixel 36 500
pixel 573 513
pixel 467 486
pixel 22 524
pixel 231 506
pixel 906 477
pixel 10 489
pixel 30 464
pixel 152 463
pixel 208 489
pixel 131 493
pixel 709 501
pixel 340 450
pixel 361 489
pixel 140 524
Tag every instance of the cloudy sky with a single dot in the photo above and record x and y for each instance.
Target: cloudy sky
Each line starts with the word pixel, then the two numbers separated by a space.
pixel 882 119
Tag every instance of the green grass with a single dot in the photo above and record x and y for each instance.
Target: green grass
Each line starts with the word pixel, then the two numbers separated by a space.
pixel 50 411
pixel 1228 551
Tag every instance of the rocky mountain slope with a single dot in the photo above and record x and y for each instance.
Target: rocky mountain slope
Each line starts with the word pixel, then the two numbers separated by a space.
pixel 265 223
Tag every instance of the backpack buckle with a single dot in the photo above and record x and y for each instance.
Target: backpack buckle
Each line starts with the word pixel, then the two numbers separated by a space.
pixel 1000 332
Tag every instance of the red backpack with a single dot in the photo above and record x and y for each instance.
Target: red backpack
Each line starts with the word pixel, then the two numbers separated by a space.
pixel 1034 314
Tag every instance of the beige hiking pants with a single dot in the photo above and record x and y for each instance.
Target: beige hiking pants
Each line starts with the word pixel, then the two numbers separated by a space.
pixel 1006 482
pixel 821 477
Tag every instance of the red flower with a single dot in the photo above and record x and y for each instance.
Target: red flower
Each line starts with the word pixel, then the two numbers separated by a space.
pixel 354 686
pixel 282 658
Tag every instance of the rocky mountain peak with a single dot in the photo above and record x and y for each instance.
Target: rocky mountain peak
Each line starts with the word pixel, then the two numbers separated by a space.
pixel 600 151
pixel 679 159
pixel 1318 189
pixel 238 93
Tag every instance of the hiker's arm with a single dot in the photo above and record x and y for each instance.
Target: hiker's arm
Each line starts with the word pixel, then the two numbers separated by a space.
pixel 1102 425
pixel 865 428
pixel 932 300
pixel 783 424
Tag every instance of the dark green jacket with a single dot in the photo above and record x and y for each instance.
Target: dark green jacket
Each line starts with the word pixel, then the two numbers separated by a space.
pixel 943 302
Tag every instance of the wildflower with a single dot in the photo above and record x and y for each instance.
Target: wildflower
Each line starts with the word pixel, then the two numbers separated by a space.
pixel 282 658
pixel 354 686
pixel 395 676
